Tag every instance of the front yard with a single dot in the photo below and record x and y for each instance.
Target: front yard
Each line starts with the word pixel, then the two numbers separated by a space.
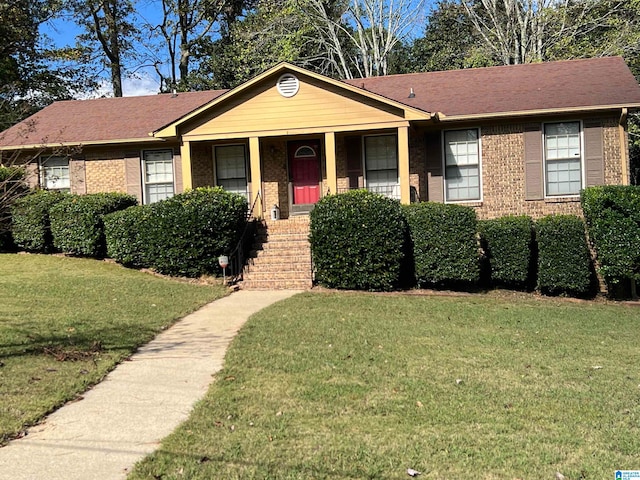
pixel 344 385
pixel 66 322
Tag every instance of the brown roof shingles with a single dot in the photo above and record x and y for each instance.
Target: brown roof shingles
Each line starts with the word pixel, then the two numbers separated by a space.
pixel 505 90
pixel 104 119
pixel 515 88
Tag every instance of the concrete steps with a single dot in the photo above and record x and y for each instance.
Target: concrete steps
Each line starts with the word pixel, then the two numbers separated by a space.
pixel 281 257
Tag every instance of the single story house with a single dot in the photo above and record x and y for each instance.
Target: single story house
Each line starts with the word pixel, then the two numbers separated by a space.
pixel 521 139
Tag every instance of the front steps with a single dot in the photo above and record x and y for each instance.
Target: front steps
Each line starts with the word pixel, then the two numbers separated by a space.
pixel 281 256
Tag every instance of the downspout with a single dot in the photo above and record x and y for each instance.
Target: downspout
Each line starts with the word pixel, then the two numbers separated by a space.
pixel 624 146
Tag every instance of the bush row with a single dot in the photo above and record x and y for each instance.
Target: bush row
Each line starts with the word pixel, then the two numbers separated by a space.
pixel 12 188
pixel 360 240
pixel 182 236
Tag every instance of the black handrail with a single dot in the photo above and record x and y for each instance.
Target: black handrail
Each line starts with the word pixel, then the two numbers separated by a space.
pixel 236 257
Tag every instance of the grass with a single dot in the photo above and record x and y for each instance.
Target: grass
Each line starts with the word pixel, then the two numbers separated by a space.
pixel 66 322
pixel 356 386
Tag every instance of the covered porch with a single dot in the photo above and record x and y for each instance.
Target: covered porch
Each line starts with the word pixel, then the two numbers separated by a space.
pixel 292 172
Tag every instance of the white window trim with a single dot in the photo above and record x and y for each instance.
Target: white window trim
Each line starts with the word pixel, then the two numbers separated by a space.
pixel 41 166
pixel 246 163
pixel 364 156
pixel 145 200
pixel 544 160
pixel 444 165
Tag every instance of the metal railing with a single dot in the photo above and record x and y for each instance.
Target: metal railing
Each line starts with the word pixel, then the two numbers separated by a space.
pixel 237 256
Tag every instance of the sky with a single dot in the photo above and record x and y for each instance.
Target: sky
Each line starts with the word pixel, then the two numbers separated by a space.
pixel 62 32
pixel 144 81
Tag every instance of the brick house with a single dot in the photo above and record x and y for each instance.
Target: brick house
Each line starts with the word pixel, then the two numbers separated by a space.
pixel 522 139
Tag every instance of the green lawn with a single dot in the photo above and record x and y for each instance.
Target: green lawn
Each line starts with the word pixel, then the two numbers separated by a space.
pixel 65 322
pixel 355 386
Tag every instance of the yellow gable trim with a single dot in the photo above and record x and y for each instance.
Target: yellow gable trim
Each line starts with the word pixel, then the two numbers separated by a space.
pixel 242 93
pixel 316 106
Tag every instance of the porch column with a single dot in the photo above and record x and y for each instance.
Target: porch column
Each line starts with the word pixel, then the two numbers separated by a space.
pixel 330 153
pixel 403 164
pixel 185 155
pixel 256 175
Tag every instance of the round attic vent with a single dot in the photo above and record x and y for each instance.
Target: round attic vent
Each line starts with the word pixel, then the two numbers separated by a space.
pixel 288 85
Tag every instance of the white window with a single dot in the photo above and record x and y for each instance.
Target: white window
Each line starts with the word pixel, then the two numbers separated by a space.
pixel 381 165
pixel 231 168
pixel 157 173
pixel 563 165
pixel 462 165
pixel 54 173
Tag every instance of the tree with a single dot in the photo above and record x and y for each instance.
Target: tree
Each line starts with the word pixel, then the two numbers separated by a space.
pixel 186 24
pixel 111 31
pixel 373 28
pixel 450 41
pixel 31 75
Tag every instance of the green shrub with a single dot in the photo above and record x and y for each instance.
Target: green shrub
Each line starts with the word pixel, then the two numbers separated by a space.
pixel 445 246
pixel 77 222
pixel 358 241
pixel 12 187
pixel 185 235
pixel 612 214
pixel 564 262
pixel 31 226
pixel 126 235
pixel 508 243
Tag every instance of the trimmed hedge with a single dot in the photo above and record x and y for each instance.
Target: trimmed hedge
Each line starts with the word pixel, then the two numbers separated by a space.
pixel 31 227
pixel 77 222
pixel 180 236
pixel 508 244
pixel 12 187
pixel 612 214
pixel 564 262
pixel 358 241
pixel 125 237
pixel 445 245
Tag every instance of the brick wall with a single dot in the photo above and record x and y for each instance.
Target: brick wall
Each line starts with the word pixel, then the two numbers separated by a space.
pixel 503 182
pixel 275 177
pixel 105 171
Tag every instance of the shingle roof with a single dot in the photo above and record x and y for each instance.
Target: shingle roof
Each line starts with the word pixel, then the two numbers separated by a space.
pixel 515 88
pixel 104 119
pixel 587 83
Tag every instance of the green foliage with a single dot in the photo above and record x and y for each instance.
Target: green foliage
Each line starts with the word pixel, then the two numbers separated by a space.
pixel 12 187
pixel 181 236
pixel 612 214
pixel 445 246
pixel 126 235
pixel 31 226
pixel 564 262
pixel 507 243
pixel 77 222
pixel 358 241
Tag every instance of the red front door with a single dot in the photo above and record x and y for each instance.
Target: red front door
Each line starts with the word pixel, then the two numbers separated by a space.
pixel 305 172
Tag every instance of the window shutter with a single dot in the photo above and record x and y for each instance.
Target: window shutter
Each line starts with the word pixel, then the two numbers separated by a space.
pixel 77 176
pixel 133 175
pixel 177 171
pixel 354 160
pixel 435 180
pixel 533 171
pixel 593 150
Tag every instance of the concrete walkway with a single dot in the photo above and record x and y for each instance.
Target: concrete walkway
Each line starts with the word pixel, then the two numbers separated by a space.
pixel 124 418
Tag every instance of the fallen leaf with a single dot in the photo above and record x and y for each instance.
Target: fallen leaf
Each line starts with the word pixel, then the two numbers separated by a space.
pixel 419 404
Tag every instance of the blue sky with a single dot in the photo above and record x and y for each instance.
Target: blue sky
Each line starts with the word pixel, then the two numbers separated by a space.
pixel 143 81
